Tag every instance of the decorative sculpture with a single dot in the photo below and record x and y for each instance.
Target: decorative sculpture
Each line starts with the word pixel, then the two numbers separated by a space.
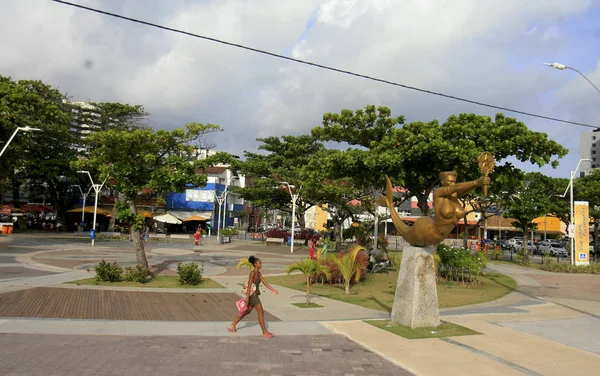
pixel 416 301
pixel 448 209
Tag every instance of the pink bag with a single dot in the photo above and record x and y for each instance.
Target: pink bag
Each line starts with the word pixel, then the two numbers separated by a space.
pixel 241 305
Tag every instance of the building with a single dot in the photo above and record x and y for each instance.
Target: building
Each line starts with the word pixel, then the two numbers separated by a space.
pixel 86 120
pixel 213 200
pixel 589 148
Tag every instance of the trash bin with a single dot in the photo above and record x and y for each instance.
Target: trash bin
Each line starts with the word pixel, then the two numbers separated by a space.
pixel 4 229
pixel 10 228
pixel 289 242
pixel 221 240
pixel 92 234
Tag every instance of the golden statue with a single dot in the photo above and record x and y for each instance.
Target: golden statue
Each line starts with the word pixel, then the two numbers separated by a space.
pixel 448 209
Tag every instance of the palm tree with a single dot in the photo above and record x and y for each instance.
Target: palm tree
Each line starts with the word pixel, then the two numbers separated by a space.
pixel 246 263
pixel 309 268
pixel 349 267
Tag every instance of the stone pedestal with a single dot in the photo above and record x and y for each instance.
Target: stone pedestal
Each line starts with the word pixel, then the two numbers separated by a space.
pixel 416 301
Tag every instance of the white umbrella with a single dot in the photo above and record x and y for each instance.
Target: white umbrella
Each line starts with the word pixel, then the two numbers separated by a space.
pixel 167 218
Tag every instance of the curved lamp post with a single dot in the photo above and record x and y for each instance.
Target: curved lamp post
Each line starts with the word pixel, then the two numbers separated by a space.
pixel 563 67
pixel 24 129
pixel 294 197
pixel 97 189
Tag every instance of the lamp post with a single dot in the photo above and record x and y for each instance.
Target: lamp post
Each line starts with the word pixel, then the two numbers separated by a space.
pixel 294 197
pixel 84 195
pixel 97 189
pixel 571 224
pixel 24 129
pixel 563 67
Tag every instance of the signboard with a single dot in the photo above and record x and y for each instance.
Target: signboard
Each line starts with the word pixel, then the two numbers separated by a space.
pixel 582 233
pixel 235 221
pixel 6 211
pixel 199 195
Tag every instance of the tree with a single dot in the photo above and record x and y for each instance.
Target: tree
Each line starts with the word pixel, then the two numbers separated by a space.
pixel 119 116
pixel 285 159
pixel 426 149
pixel 309 268
pixel 348 266
pixel 587 189
pixel 144 162
pixel 41 157
pixel 531 201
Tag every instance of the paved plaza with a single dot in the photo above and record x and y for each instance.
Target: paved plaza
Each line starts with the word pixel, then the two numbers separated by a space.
pixel 546 327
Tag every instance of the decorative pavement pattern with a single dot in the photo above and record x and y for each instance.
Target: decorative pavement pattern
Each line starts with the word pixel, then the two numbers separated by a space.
pixel 82 303
pixel 199 356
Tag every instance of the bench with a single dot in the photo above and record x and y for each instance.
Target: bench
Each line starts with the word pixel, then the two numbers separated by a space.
pixel 180 236
pixel 274 241
pixel 158 237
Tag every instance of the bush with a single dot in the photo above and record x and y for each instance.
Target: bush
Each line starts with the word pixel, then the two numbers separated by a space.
pixel 277 233
pixel 107 272
pixel 458 264
pixel 190 273
pixel 229 231
pixel 563 267
pixel 523 257
pixel 335 276
pixel 498 254
pixel 139 273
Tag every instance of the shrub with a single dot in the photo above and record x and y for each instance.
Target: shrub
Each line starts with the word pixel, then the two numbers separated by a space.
pixel 277 233
pixel 523 257
pixel 547 259
pixel 139 273
pixel 497 254
pixel 307 234
pixel 458 264
pixel 190 273
pixel 563 267
pixel 229 231
pixel 107 272
pixel 336 277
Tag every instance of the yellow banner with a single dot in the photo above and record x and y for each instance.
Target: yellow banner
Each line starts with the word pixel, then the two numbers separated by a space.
pixel 582 233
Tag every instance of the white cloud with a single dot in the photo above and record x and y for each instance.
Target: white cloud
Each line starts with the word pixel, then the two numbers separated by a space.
pixel 488 51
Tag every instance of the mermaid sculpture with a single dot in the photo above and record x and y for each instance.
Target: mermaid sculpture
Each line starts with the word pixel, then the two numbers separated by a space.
pixel 428 231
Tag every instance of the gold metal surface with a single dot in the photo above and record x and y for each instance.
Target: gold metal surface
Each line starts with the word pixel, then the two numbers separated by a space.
pixel 448 209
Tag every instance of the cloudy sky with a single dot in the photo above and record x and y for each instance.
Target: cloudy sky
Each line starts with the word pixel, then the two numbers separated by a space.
pixel 486 50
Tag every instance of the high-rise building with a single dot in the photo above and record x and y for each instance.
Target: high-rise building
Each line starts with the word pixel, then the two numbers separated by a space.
pixel 86 120
pixel 589 148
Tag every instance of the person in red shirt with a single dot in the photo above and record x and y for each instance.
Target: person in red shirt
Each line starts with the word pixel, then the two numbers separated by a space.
pixel 198 235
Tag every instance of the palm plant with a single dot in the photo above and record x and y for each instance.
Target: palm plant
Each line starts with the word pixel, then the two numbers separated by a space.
pixel 349 267
pixel 246 263
pixel 309 268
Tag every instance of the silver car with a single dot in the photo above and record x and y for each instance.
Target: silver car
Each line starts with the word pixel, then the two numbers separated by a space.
pixel 557 250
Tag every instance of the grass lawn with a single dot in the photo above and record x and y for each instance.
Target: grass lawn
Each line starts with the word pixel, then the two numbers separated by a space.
pixel 160 281
pixel 447 329
pixel 377 291
pixel 304 305
pixel 533 265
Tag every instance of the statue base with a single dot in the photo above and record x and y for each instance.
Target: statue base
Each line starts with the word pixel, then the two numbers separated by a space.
pixel 416 300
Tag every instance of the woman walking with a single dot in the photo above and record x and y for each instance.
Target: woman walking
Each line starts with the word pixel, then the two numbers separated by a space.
pixel 252 298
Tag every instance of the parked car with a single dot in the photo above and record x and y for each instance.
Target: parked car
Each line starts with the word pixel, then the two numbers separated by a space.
pixel 513 243
pixel 557 250
pixel 545 246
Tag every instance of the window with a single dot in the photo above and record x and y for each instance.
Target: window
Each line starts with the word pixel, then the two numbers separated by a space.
pixel 593 151
pixel 594 159
pixel 593 137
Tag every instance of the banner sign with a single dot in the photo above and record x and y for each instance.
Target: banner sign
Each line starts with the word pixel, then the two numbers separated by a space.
pixel 582 233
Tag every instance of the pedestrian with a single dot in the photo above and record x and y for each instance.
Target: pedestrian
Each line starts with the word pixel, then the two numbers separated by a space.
pixel 146 233
pixel 198 235
pixel 252 300
pixel 313 242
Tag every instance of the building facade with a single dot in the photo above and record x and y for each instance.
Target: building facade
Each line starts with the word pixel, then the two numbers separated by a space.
pixel 589 148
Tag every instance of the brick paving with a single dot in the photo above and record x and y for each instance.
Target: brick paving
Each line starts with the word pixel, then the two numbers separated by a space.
pixel 26 354
pixel 82 303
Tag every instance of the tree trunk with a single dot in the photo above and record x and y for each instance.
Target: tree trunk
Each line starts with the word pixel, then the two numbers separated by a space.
pixel 16 186
pixel 338 236
pixel 307 290
pixel 525 229
pixel 300 219
pixel 347 288
pixel 111 222
pixel 465 233
pixel 138 242
pixel 423 203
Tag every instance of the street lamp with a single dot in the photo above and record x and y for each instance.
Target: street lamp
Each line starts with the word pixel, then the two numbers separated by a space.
pixel 97 189
pixel 571 224
pixel 24 129
pixel 563 67
pixel 84 195
pixel 294 197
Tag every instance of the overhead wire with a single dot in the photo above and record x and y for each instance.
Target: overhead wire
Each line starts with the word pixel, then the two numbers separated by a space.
pixel 321 66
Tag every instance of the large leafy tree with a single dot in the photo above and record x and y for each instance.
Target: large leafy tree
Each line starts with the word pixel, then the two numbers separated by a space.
pixel 283 161
pixel 144 162
pixel 532 199
pixel 426 149
pixel 587 189
pixel 38 157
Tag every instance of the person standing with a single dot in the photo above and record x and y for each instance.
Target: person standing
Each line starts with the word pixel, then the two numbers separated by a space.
pixel 313 242
pixel 253 299
pixel 198 235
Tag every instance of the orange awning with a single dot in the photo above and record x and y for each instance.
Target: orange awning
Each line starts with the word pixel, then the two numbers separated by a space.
pixel 195 218
pixel 90 210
